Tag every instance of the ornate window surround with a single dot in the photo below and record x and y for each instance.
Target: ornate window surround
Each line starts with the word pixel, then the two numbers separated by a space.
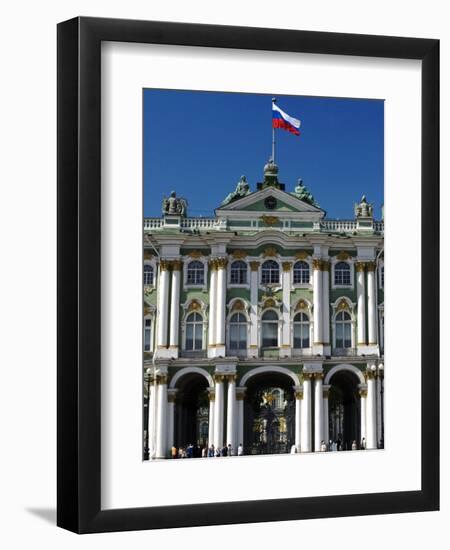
pixel 237 285
pixel 277 260
pixel 350 308
pixel 349 260
pixel 302 285
pixel 187 310
pixel 308 312
pixel 186 262
pixel 152 263
pixel 260 328
pixel 230 314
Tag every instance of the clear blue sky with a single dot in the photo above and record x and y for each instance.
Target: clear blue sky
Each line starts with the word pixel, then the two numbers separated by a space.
pixel 200 143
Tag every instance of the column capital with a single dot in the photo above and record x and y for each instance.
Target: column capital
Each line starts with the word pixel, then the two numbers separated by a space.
pixel 362 392
pixel 360 267
pixel 212 264
pixel 298 394
pixel 219 378
pixel 221 263
pixel 254 266
pixel 211 395
pixel 177 265
pixel 370 266
pixel 286 266
pixel 172 396
pixel 307 376
pixel 230 377
pixel 240 393
pixel 165 265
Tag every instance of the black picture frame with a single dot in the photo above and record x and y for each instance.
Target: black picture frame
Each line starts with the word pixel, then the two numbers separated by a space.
pixel 79 281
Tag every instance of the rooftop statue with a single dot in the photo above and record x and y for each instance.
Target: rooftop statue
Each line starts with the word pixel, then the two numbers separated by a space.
pixel 242 190
pixel 363 209
pixel 175 206
pixel 302 193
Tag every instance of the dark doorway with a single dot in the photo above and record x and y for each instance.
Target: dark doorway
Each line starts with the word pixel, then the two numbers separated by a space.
pixel 192 411
pixel 269 414
pixel 344 410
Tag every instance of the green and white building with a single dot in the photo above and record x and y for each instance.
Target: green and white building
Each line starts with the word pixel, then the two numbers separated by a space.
pixel 263 326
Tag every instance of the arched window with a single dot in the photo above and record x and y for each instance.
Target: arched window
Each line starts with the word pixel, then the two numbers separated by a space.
pixel 269 329
pixel 238 332
pixel 148 274
pixel 194 332
pixel 147 334
pixel 195 273
pixel 238 273
pixel 343 330
pixel 270 272
pixel 342 274
pixel 301 331
pixel 301 273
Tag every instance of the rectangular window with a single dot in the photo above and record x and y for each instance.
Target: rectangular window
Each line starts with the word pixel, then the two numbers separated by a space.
pixel 270 335
pixel 238 277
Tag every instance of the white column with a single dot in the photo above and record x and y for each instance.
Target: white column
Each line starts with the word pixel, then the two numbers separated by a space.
pixel 212 308
pixel 151 418
pixel 371 411
pixel 326 422
pixel 363 404
pixel 253 346
pixel 240 416
pixel 170 419
pixel 326 303
pixel 211 417
pixel 175 306
pixel 318 411
pixel 371 304
pixel 298 418
pixel 361 303
pixel 218 412
pixel 161 418
pixel 305 435
pixel 221 302
pixel 231 412
pixel 163 303
pixel 286 311
pixel 317 296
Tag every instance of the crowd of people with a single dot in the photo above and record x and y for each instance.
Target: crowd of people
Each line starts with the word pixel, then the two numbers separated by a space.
pixel 193 450
pixel 204 451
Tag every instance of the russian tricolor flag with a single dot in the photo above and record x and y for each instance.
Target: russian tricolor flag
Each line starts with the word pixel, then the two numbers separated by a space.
pixel 280 119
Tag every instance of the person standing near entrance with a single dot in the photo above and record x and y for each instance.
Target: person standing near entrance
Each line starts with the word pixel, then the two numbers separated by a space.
pixel 363 443
pixel 240 450
pixel 174 452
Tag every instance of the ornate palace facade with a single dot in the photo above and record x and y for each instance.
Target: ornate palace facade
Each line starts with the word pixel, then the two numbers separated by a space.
pixel 263 326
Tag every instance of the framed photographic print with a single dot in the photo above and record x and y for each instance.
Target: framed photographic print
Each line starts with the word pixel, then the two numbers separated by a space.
pixel 229 349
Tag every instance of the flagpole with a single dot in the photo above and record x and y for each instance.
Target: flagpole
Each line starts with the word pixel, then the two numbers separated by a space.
pixel 273 134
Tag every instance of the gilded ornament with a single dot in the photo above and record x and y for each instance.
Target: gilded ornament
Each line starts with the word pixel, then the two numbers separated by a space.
pixel 148 255
pixel 269 220
pixel 301 255
pixel 286 266
pixel 370 266
pixel 342 305
pixel 270 302
pixel 239 254
pixel 317 264
pixel 238 305
pixel 254 266
pixel 164 265
pixel 342 256
pixel 195 254
pixel 362 393
pixel 270 252
pixel 194 306
pixel 212 264
pixel 177 265
pixel 301 304
pixel 360 266
pixel 221 263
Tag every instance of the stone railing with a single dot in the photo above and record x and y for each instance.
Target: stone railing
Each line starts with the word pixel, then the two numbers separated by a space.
pixel 338 226
pixel 153 223
pixel 335 226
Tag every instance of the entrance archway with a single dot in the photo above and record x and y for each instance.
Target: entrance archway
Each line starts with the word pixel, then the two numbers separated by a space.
pixel 344 409
pixel 269 414
pixel 191 411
